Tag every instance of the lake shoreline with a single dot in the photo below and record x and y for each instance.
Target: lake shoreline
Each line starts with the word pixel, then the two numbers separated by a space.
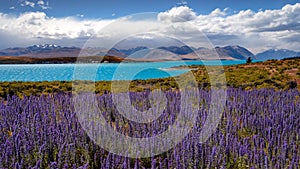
pixel 275 74
pixel 99 71
pixel 85 59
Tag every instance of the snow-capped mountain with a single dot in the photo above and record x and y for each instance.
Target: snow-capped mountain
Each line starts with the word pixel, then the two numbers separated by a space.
pixel 277 54
pixel 45 50
pixel 181 52
pixel 44 47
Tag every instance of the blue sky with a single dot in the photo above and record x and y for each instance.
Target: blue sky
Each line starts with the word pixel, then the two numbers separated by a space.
pixel 255 24
pixel 116 8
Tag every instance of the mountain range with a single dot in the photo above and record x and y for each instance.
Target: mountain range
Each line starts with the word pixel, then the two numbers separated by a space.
pixel 139 52
pixel 277 54
pixel 143 53
pixel 37 51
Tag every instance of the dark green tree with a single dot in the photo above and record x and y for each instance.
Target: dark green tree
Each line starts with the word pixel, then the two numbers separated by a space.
pixel 249 60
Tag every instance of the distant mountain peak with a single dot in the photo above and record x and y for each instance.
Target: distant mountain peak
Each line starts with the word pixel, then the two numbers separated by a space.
pixel 41 50
pixel 276 50
pixel 235 46
pixel 277 54
pixel 44 46
pixel 47 45
pixel 234 51
pixel 181 50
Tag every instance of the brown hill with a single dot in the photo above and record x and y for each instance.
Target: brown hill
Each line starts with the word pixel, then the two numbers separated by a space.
pixel 58 60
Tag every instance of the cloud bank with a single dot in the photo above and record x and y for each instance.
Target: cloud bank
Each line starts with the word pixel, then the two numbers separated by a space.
pixel 255 30
pixel 264 29
pixel 37 26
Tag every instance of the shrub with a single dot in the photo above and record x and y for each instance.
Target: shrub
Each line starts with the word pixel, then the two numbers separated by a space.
pixel 292 84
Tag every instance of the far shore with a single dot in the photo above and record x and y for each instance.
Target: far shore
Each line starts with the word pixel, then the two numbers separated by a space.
pixel 85 59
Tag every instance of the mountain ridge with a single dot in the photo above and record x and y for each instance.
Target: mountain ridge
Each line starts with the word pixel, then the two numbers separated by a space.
pixel 161 53
pixel 277 54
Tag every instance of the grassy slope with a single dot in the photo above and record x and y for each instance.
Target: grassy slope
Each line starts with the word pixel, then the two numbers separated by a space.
pixel 270 74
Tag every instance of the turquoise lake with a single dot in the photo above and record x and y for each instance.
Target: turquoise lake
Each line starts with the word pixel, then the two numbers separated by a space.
pixel 98 72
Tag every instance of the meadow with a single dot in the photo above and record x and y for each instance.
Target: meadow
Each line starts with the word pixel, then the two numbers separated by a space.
pixel 259 127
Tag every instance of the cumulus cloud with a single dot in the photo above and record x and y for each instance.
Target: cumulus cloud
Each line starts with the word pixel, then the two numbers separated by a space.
pixel 39 28
pixel 39 25
pixel 272 27
pixel 177 14
pixel 218 12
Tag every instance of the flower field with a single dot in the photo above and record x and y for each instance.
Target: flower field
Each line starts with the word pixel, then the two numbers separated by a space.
pixel 259 129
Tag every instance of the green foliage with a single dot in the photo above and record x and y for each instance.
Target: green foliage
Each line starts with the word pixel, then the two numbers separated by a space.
pixel 249 60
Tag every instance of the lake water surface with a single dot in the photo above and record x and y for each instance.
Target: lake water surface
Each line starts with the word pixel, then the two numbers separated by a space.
pixel 98 72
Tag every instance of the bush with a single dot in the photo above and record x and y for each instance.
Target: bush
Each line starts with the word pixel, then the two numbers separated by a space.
pixel 292 84
pixel 249 60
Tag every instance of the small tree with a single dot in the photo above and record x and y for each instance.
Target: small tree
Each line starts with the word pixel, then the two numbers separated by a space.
pixel 249 60
pixel 292 84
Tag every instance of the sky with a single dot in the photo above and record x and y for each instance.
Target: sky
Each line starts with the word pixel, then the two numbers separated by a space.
pixel 255 24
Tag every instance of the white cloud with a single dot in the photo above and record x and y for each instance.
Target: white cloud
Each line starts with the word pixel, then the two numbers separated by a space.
pixel 40 2
pixel 255 30
pixel 39 25
pixel 177 14
pixel 80 15
pixel 182 3
pixel 269 27
pixel 28 3
pixel 12 7
pixel 43 4
pixel 218 12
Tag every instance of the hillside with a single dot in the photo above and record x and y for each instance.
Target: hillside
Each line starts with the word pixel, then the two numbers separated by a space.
pixel 236 52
